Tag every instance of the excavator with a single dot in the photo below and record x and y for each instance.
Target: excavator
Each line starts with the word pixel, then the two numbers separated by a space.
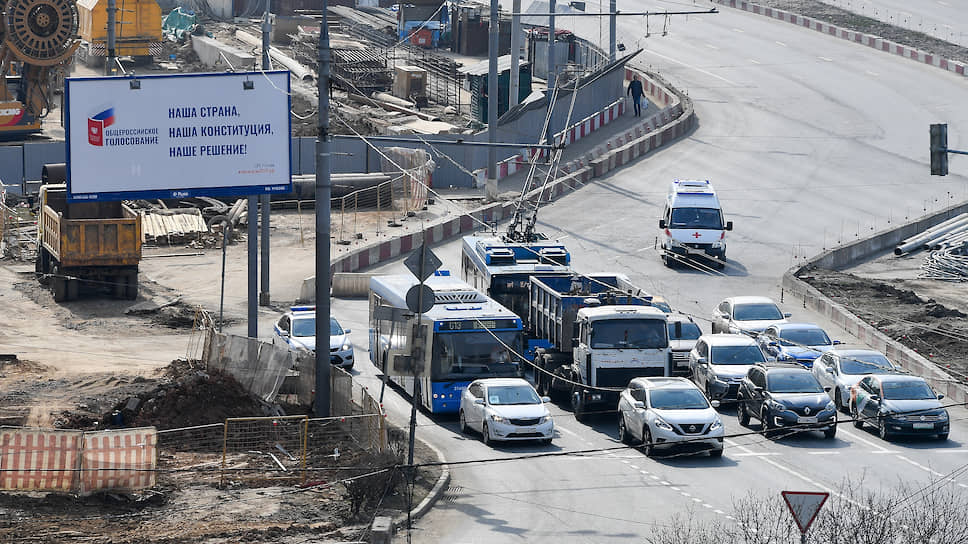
pixel 37 39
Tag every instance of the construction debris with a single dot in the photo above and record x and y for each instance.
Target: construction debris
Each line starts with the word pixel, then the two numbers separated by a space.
pixel 172 226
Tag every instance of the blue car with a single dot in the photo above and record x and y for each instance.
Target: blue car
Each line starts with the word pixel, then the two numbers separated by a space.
pixel 795 342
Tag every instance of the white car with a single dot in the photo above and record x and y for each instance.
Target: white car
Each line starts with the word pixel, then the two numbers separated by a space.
pixel 297 329
pixel 746 315
pixel 719 362
pixel 838 370
pixel 683 334
pixel 669 412
pixel 505 409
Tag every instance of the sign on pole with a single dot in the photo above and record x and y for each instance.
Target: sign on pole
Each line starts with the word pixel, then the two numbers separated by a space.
pixel 177 136
pixel 804 506
pixel 422 263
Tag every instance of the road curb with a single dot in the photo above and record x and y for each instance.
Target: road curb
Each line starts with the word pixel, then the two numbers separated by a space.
pixel 869 40
pixel 435 492
pixel 848 254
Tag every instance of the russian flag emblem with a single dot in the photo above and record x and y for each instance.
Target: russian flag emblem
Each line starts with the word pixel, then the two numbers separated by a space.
pixel 96 125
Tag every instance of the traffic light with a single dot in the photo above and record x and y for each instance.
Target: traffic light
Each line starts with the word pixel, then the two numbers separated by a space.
pixel 939 149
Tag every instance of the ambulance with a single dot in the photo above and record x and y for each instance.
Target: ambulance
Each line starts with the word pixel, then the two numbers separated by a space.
pixel 692 225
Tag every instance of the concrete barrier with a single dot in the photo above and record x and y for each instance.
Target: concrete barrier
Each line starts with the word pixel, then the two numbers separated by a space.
pixel 849 254
pixel 208 50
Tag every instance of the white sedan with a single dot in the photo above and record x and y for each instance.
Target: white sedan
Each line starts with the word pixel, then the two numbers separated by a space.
pixel 505 409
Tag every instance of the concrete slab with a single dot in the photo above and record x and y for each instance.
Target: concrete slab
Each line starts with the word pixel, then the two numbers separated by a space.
pixel 208 50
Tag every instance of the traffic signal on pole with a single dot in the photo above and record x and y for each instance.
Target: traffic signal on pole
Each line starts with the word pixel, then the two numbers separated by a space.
pixel 939 149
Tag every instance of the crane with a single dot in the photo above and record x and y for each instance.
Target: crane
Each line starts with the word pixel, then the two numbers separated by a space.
pixel 37 38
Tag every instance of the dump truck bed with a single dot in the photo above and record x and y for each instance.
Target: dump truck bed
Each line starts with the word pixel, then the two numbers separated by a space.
pixel 92 242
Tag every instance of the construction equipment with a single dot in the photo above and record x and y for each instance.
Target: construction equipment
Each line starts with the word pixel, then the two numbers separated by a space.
pixel 137 32
pixel 97 244
pixel 37 37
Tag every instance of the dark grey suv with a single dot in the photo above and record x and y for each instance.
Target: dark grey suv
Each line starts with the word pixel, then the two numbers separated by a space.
pixel 785 396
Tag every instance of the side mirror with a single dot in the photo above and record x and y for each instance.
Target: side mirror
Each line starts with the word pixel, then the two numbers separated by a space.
pixel 479 401
pixel 771 359
pixel 638 404
pixel 662 223
pixel 757 389
pixel 773 343
pixel 787 314
pixel 875 398
pixel 829 369
pixel 545 400
pixel 701 361
pixel 347 331
pixel 826 389
pixel 574 342
pixel 837 342
pixel 940 397
pixel 284 334
pixel 714 403
pixel 729 225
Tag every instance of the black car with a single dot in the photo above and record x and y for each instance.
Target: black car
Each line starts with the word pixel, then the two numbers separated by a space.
pixel 898 404
pixel 785 396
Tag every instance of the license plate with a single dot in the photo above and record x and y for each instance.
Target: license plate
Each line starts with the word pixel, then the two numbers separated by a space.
pixel 924 425
pixel 806 420
pixel 527 430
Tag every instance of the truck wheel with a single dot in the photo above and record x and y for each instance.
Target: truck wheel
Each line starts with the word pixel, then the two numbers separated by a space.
pixel 131 286
pixel 577 405
pixel 73 287
pixel 42 266
pixel 118 286
pixel 58 286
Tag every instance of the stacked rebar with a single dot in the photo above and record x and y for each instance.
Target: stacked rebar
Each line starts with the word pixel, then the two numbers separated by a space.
pixel 948 233
pixel 947 264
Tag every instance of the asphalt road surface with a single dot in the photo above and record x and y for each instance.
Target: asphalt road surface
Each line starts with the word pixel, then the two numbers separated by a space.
pixel 809 141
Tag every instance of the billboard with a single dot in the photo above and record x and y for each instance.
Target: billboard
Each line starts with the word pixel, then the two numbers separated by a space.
pixel 177 136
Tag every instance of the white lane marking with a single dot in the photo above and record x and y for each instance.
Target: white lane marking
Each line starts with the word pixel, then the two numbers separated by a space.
pixel 711 46
pixel 963 485
pixel 828 59
pixel 719 511
pixel 686 494
pixel 646 472
pixel 653 476
pixel 674 488
pixel 754 61
pixel 756 454
pixel 696 499
pixel 781 44
pixel 859 438
pixel 922 467
pixel 663 482
pixel 707 505
pixel 633 467
pixel 950 451
pixel 740 30
pixel 875 74
pixel 700 70
pixel 885 451
pixel 823 453
pixel 626 461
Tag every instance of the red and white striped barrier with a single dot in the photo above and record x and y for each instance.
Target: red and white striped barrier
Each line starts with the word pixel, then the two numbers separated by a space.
pixel 119 460
pixel 38 459
pixel 858 37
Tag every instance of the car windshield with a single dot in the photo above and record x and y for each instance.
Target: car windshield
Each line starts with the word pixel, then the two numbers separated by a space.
pixel 873 363
pixel 512 394
pixel 907 390
pixel 696 218
pixel 629 334
pixel 756 312
pixel 678 399
pixel 792 382
pixel 306 326
pixel 463 355
pixel 687 331
pixel 804 337
pixel 736 355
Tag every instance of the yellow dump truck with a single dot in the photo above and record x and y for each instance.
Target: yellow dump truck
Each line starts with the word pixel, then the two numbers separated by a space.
pixel 137 34
pixel 96 245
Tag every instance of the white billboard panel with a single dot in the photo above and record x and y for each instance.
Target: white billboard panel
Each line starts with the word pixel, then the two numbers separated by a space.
pixel 176 136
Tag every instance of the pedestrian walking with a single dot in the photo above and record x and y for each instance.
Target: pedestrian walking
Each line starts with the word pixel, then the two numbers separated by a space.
pixel 635 89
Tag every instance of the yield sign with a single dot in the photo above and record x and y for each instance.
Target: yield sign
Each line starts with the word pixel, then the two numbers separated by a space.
pixel 804 506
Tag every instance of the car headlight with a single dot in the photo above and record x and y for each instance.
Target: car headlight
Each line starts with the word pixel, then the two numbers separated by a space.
pixel 496 418
pixel 717 244
pixel 713 377
pixel 544 419
pixel 660 423
pixel 718 424
pixel 347 347
pixel 830 407
pixel 776 406
pixel 943 415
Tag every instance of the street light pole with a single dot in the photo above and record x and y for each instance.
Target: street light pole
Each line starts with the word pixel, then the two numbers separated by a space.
pixel 612 6
pixel 266 65
pixel 323 191
pixel 490 189
pixel 551 70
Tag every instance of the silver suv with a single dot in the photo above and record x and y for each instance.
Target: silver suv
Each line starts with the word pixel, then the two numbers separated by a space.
pixel 719 362
pixel 669 412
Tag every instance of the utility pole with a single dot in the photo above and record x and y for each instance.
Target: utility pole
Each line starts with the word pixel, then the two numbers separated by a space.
pixel 323 190
pixel 264 293
pixel 612 7
pixel 490 188
pixel 551 71
pixel 515 54
pixel 112 54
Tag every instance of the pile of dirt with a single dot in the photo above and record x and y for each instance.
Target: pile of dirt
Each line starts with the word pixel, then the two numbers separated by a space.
pixel 186 398
pixel 858 23
pixel 935 331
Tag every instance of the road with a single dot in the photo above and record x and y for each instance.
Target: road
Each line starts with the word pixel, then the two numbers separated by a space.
pixel 943 19
pixel 809 141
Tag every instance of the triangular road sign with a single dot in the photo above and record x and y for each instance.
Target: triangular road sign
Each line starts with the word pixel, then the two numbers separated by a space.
pixel 804 506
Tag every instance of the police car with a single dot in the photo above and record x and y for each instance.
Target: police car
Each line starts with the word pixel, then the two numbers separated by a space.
pixel 297 329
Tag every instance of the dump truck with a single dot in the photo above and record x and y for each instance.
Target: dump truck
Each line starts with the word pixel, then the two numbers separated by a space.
pixel 137 30
pixel 599 331
pixel 94 244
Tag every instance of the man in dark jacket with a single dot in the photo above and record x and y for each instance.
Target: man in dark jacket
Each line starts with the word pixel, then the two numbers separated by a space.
pixel 635 89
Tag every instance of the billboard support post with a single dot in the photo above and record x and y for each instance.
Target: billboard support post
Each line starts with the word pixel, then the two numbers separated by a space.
pixel 323 190
pixel 266 208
